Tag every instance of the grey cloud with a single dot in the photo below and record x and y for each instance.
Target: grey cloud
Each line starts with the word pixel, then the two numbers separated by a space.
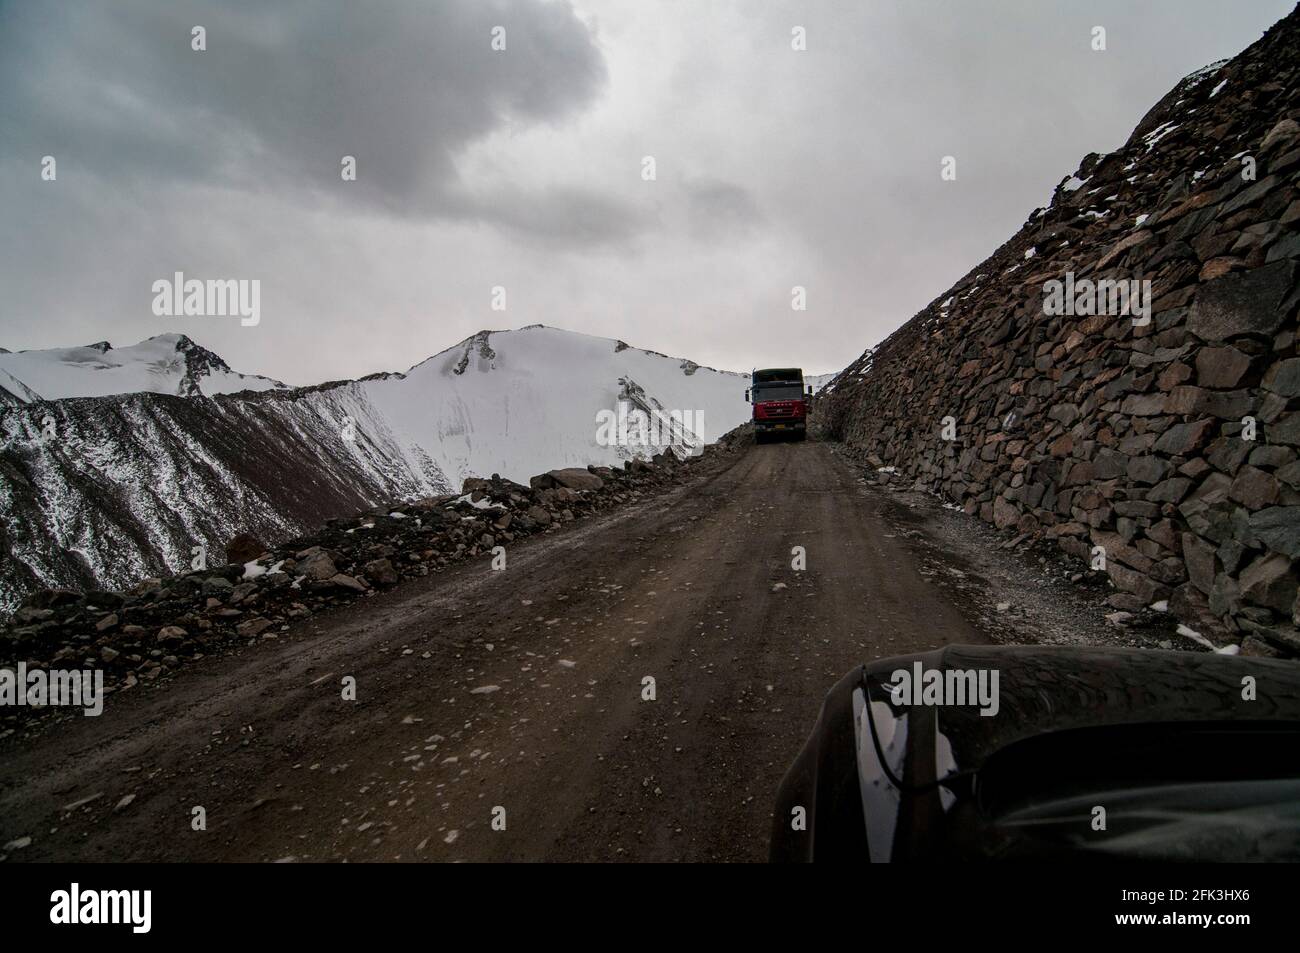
pixel 562 216
pixel 719 209
pixel 284 90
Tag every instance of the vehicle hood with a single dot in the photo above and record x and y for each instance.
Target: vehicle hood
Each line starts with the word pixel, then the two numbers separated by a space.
pixel 1054 688
pixel 1174 755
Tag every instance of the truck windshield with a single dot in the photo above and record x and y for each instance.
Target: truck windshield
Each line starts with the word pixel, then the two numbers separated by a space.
pixel 777 392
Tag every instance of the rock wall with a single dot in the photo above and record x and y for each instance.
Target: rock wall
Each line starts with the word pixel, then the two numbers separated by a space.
pixel 1164 439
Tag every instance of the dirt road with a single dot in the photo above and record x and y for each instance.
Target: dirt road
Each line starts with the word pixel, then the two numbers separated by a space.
pixel 523 689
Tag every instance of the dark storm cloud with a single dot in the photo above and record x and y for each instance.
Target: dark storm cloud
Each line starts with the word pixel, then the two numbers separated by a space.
pixel 285 90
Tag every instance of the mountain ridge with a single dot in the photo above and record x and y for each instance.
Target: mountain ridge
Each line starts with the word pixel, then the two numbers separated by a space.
pixel 98 491
pixel 169 363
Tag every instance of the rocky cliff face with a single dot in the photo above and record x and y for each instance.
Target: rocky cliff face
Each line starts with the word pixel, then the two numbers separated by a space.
pixel 125 487
pixel 1159 440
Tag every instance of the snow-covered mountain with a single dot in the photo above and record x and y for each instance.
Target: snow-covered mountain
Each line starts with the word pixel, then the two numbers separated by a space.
pixel 103 490
pixel 818 381
pixel 520 402
pixel 165 364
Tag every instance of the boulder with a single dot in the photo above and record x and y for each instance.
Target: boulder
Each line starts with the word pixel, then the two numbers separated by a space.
pixel 1220 366
pixel 1245 303
pixel 1278 528
pixel 319 565
pixel 1254 489
pixel 1254 646
pixel 1170 491
pixel 574 478
pixel 1284 132
pixel 381 572
pixel 1230 405
pixel 1182 439
pixel 252 627
pixel 1005 513
pixel 1147 470
pixel 1286 430
pixel 1199 557
pixel 1269 581
pixel 1272 457
pixel 1130 580
pixel 344 581
pixel 244 548
pixel 171 635
pixel 1284 378
pixel 1228 453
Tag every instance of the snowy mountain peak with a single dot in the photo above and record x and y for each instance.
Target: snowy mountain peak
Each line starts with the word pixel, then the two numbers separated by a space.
pixel 164 364
pixel 479 351
pixel 135 480
pixel 479 343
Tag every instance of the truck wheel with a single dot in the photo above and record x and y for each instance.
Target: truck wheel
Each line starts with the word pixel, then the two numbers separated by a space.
pixel 803 435
pixel 760 437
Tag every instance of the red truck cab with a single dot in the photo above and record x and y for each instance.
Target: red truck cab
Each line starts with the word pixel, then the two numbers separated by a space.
pixel 780 403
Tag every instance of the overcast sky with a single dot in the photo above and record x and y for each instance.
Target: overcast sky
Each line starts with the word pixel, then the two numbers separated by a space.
pixel 522 168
